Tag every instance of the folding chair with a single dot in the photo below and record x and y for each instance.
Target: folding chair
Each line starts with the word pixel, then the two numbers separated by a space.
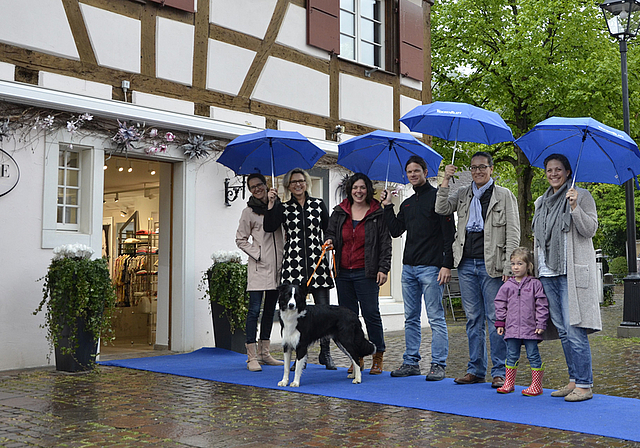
pixel 452 290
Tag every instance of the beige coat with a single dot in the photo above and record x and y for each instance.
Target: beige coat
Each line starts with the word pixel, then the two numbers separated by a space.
pixel 264 250
pixel 582 272
pixel 501 226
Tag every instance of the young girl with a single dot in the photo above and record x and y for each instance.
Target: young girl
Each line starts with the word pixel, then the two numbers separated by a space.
pixel 522 310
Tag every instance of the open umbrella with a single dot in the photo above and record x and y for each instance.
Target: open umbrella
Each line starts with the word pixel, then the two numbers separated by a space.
pixel 597 152
pixel 382 155
pixel 270 151
pixel 458 122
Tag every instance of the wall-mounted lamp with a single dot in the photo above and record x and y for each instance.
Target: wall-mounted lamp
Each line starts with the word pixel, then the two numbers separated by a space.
pixel 231 192
pixel 120 167
pixel 117 198
pixel 130 169
pixel 151 170
pixel 123 213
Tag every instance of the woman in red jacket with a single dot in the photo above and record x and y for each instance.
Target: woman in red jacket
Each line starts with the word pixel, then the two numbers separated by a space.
pixel 362 245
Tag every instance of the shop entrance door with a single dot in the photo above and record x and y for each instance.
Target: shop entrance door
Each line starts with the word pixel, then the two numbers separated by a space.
pixel 133 244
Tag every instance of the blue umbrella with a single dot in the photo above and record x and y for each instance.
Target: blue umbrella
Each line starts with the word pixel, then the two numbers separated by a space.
pixel 270 151
pixel 597 152
pixel 382 155
pixel 458 122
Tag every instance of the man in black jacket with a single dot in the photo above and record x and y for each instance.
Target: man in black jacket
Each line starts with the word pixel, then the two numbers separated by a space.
pixel 427 263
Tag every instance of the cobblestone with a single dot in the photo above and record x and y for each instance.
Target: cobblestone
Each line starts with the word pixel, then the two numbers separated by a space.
pixel 114 407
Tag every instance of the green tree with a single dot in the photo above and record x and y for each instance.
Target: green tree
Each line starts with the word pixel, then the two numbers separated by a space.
pixel 527 60
pixel 612 218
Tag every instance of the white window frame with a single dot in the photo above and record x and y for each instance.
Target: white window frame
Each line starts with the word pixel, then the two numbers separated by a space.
pixel 358 34
pixel 88 230
pixel 62 198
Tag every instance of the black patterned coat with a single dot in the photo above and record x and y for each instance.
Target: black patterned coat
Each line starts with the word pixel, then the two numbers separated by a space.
pixel 303 227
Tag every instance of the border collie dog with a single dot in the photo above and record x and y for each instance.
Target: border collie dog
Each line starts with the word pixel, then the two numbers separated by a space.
pixel 303 324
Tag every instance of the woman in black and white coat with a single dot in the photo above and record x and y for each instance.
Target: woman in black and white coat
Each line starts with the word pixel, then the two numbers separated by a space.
pixel 304 219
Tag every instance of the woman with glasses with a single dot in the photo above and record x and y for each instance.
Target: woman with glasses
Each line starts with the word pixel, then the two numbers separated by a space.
pixel 488 232
pixel 263 272
pixel 564 223
pixel 304 219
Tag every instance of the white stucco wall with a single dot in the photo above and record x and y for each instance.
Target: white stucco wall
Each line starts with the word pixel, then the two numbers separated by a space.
pixel 251 17
pixel 233 116
pixel 115 38
pixel 174 50
pixel 215 227
pixel 407 105
pixel 162 102
pixel 38 25
pixel 293 32
pixel 74 85
pixel 366 102
pixel 23 261
pixel 294 86
pixel 7 71
pixel 227 66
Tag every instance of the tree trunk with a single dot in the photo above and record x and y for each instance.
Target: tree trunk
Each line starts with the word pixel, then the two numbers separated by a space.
pixel 524 173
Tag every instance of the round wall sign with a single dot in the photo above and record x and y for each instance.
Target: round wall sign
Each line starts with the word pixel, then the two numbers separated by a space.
pixel 9 173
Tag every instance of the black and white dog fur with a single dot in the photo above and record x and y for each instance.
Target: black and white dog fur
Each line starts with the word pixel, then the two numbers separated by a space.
pixel 303 324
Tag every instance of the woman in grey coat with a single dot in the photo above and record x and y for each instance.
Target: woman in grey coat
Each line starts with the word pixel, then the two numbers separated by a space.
pixel 564 223
pixel 263 272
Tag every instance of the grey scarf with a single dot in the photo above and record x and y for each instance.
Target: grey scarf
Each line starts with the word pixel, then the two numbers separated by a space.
pixel 552 219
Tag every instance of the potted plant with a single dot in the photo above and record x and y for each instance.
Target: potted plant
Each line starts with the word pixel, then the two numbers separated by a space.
pixel 78 299
pixel 229 299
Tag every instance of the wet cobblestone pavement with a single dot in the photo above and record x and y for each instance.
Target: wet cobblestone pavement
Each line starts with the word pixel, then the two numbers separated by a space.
pixel 114 407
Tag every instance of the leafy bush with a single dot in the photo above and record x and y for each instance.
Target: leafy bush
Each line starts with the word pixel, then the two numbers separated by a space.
pixel 227 285
pixel 76 287
pixel 618 267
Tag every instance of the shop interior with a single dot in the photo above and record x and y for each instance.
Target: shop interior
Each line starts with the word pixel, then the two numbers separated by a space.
pixel 131 244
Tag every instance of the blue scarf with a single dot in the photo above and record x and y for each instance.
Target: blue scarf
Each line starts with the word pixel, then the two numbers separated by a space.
pixel 475 222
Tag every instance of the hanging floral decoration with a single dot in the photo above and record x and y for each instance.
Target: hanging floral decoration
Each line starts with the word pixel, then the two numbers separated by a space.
pixel 198 147
pixel 74 124
pixel 26 125
pixel 159 143
pixel 4 130
pixel 126 136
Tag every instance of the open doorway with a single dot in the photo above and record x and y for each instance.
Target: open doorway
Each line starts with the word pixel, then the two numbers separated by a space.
pixel 132 243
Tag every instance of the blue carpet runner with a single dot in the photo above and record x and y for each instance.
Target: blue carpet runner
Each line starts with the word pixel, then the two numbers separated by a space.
pixel 603 415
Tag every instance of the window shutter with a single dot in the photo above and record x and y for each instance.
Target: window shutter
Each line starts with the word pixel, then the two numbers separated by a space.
pixel 411 40
pixel 184 5
pixel 323 24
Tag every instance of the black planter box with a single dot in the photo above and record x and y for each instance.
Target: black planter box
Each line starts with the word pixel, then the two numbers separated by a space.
pixel 224 338
pixel 84 356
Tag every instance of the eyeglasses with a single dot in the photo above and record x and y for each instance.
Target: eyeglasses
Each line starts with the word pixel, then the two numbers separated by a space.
pixel 479 167
pixel 256 186
pixel 297 182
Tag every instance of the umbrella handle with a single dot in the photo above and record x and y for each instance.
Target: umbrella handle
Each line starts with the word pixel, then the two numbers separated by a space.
pixel 453 157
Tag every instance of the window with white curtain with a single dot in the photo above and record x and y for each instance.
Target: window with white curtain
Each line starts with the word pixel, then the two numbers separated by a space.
pixel 362 31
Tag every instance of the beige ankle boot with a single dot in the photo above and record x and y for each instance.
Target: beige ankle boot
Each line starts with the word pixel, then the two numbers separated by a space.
pixel 252 359
pixel 264 357
pixel 376 367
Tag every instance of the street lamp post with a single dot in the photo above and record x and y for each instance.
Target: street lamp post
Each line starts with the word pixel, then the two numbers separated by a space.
pixel 623 21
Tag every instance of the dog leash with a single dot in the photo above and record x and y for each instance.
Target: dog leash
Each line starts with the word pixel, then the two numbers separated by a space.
pixel 325 247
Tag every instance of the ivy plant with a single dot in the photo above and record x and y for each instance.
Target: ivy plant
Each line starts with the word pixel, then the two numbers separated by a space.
pixel 227 286
pixel 76 288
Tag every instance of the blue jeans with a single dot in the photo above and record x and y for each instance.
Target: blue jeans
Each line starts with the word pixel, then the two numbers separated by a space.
pixel 478 291
pixel 575 341
pixel 513 352
pixel 419 281
pixel 354 289
pixel 255 301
